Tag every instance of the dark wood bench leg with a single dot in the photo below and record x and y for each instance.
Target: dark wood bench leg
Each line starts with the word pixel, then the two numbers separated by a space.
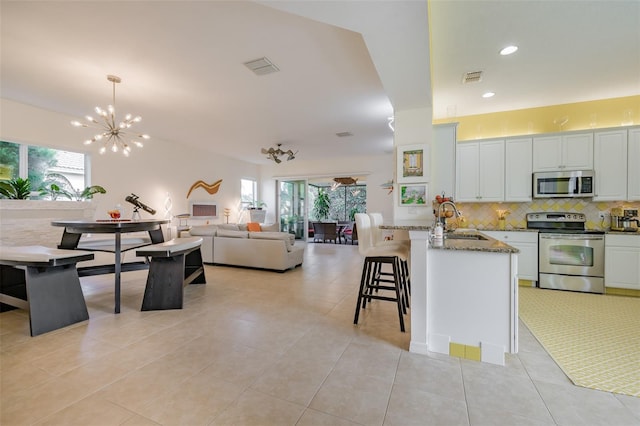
pixel 164 283
pixel 167 278
pixel 55 298
pixel 194 269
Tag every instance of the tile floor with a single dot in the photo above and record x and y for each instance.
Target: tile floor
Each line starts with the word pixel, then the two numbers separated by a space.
pixel 264 348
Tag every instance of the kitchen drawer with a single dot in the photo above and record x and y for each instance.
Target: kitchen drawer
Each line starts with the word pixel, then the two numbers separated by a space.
pixel 527 243
pixel 515 236
pixel 622 240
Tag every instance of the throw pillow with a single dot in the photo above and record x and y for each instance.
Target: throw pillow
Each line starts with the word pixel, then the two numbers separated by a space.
pixel 272 227
pixel 232 234
pixel 229 226
pixel 203 230
pixel 274 236
pixel 253 227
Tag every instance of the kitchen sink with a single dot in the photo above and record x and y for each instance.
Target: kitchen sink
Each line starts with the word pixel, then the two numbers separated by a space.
pixel 456 236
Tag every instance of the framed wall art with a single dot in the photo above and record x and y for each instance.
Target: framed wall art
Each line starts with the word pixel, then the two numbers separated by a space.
pixel 413 195
pixel 413 163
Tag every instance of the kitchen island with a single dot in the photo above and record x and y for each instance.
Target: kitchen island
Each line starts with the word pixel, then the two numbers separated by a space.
pixel 464 294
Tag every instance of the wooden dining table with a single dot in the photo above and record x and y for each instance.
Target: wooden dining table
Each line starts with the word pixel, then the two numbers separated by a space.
pixel 74 229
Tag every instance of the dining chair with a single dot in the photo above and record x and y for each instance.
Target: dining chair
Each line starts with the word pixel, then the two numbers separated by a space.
pixel 318 231
pixel 330 231
pixel 343 226
pixel 351 233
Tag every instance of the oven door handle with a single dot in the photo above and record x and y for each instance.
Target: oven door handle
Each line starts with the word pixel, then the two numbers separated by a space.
pixel 583 237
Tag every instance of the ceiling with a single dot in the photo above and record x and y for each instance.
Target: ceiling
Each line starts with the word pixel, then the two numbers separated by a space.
pixel 344 65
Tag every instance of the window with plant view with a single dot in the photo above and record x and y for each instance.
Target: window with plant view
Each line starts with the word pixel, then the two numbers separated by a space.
pixel 44 173
pixel 248 192
pixel 341 203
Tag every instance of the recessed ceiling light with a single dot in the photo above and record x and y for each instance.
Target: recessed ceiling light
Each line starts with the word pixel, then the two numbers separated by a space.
pixel 488 95
pixel 508 50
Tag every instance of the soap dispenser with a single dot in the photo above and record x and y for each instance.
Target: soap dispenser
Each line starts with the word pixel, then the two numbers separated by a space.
pixel 438 232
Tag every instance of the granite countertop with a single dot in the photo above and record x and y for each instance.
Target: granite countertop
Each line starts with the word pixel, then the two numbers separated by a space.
pixel 609 231
pixel 458 241
pixel 464 241
pixel 425 226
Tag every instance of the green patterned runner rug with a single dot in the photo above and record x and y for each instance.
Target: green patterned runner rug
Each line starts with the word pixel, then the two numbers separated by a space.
pixel 594 338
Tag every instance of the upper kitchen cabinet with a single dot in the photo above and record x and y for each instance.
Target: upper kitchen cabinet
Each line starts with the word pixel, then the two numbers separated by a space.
pixel 633 181
pixel 610 165
pixel 443 159
pixel 572 151
pixel 480 171
pixel 518 169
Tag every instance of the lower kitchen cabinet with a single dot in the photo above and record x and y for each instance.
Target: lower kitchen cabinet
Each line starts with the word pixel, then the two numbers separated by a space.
pixel 622 261
pixel 527 243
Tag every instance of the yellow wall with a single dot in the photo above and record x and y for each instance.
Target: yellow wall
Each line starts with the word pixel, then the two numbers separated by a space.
pixel 582 115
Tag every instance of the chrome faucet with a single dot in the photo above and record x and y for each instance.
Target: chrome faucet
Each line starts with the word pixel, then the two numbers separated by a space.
pixel 442 219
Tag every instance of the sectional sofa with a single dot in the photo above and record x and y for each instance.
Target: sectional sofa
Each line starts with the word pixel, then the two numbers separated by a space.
pixel 234 244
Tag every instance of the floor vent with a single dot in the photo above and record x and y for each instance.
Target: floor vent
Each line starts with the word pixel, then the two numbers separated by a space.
pixel 472 77
pixel 262 66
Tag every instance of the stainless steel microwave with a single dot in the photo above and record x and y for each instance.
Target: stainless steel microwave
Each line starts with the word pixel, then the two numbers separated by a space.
pixel 575 183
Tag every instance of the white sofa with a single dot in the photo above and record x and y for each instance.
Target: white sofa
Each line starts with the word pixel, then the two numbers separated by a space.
pixel 231 244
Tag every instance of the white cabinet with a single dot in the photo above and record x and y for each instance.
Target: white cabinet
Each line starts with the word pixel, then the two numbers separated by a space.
pixel 610 165
pixel 443 159
pixel 622 261
pixel 480 171
pixel 527 243
pixel 572 151
pixel 518 169
pixel 633 180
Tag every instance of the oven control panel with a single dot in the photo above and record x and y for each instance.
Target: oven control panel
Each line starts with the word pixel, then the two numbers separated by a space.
pixel 556 217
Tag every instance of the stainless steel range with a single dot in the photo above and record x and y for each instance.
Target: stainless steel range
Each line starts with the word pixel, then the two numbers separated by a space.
pixel 569 256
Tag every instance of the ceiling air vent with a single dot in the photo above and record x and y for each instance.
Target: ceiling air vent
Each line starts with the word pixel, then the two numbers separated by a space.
pixel 262 66
pixel 472 77
pixel 344 134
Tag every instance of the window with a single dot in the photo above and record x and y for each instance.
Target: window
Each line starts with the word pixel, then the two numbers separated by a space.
pixel 344 201
pixel 44 167
pixel 248 192
pixel 9 160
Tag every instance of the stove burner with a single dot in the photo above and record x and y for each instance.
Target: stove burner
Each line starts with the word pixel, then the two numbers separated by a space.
pixel 559 223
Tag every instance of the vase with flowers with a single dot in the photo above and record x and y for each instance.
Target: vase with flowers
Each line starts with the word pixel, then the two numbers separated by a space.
pixel 502 218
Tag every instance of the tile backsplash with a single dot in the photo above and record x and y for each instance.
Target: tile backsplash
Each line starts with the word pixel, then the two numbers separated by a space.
pixel 483 215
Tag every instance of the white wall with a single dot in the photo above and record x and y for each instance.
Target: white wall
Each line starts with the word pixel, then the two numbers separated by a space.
pixel 150 173
pixel 162 167
pixel 413 126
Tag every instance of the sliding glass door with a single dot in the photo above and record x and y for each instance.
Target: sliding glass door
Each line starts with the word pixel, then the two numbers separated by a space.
pixel 293 207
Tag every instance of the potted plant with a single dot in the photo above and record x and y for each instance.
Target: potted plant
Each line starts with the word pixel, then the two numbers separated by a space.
pixel 321 205
pixel 58 185
pixel 257 205
pixel 16 189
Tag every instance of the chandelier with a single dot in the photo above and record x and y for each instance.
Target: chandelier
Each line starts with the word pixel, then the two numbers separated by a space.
pixel 112 134
pixel 275 154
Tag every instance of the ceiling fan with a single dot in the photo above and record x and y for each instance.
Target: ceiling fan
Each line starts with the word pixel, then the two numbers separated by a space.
pixel 275 154
pixel 343 181
pixel 346 180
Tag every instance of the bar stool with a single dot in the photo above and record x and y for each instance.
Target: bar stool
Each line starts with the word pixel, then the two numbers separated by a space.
pixel 374 279
pixel 403 245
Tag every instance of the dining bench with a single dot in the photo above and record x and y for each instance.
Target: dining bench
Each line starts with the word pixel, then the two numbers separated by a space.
pixel 173 265
pixel 43 281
